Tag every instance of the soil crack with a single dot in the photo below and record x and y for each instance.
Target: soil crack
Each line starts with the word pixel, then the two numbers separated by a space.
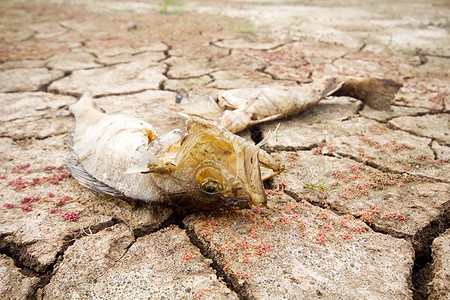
pixel 27 138
pixel 393 127
pixel 230 280
pixel 382 168
pixel 421 241
pixel 14 250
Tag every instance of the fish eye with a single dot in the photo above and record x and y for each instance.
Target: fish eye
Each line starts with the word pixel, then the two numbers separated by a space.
pixel 209 179
pixel 211 186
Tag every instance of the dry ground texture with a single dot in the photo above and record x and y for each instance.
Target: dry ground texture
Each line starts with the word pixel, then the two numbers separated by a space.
pixel 360 213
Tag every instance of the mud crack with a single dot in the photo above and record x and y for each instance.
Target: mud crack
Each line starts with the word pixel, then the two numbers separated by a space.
pixel 394 127
pixel 230 280
pixel 22 261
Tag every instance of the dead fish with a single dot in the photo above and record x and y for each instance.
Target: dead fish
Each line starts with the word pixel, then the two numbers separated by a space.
pixel 237 109
pixel 202 168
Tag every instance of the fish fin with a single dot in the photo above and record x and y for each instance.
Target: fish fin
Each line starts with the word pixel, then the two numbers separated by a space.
pixel 224 103
pixel 160 145
pixel 266 119
pixel 141 159
pixel 269 166
pixel 269 135
pixel 376 93
pixel 84 178
pixel 69 141
pixel 331 85
pixel 158 155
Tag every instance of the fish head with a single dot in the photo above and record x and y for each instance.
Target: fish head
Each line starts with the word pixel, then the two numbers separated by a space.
pixel 217 169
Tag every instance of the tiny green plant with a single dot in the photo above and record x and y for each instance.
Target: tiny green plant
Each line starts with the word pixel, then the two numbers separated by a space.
pixel 246 29
pixel 276 132
pixel 312 184
pixel 390 39
pixel 164 7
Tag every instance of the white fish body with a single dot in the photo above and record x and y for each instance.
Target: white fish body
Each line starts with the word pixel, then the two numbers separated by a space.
pixel 100 139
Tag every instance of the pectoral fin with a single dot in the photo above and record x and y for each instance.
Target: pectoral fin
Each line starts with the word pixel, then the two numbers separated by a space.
pixel 143 160
pixel 157 157
pixel 269 166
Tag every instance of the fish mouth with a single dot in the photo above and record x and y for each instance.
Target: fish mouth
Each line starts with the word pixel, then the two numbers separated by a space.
pixel 208 202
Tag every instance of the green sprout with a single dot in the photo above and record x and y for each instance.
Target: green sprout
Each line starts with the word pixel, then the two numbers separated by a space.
pixel 311 184
pixel 390 39
pixel 246 29
pixel 164 7
pixel 276 132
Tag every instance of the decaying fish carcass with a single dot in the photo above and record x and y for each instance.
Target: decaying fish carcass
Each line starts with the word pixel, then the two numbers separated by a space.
pixel 237 109
pixel 206 167
pixel 202 168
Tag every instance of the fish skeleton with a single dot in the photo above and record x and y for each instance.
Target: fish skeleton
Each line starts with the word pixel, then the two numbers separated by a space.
pixel 237 109
pixel 202 168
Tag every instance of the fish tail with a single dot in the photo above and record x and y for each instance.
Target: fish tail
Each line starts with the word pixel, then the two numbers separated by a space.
pixel 330 85
pixel 83 105
pixel 85 108
pixel 374 92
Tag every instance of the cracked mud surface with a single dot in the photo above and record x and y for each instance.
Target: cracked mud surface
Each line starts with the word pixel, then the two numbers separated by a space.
pixel 362 210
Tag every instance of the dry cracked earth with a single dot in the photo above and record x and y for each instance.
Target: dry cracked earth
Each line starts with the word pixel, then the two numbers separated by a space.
pixel 361 212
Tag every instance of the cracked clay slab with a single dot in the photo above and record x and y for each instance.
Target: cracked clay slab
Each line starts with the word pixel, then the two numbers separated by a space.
pixel 70 61
pixel 118 79
pixel 365 141
pixel 150 106
pixel 402 205
pixel 183 68
pixel 35 199
pixel 127 58
pixel 33 115
pixel 441 271
pixel 396 111
pixel 431 126
pixel 295 250
pixel 111 263
pixel 27 80
pixel 425 94
pixel 13 284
